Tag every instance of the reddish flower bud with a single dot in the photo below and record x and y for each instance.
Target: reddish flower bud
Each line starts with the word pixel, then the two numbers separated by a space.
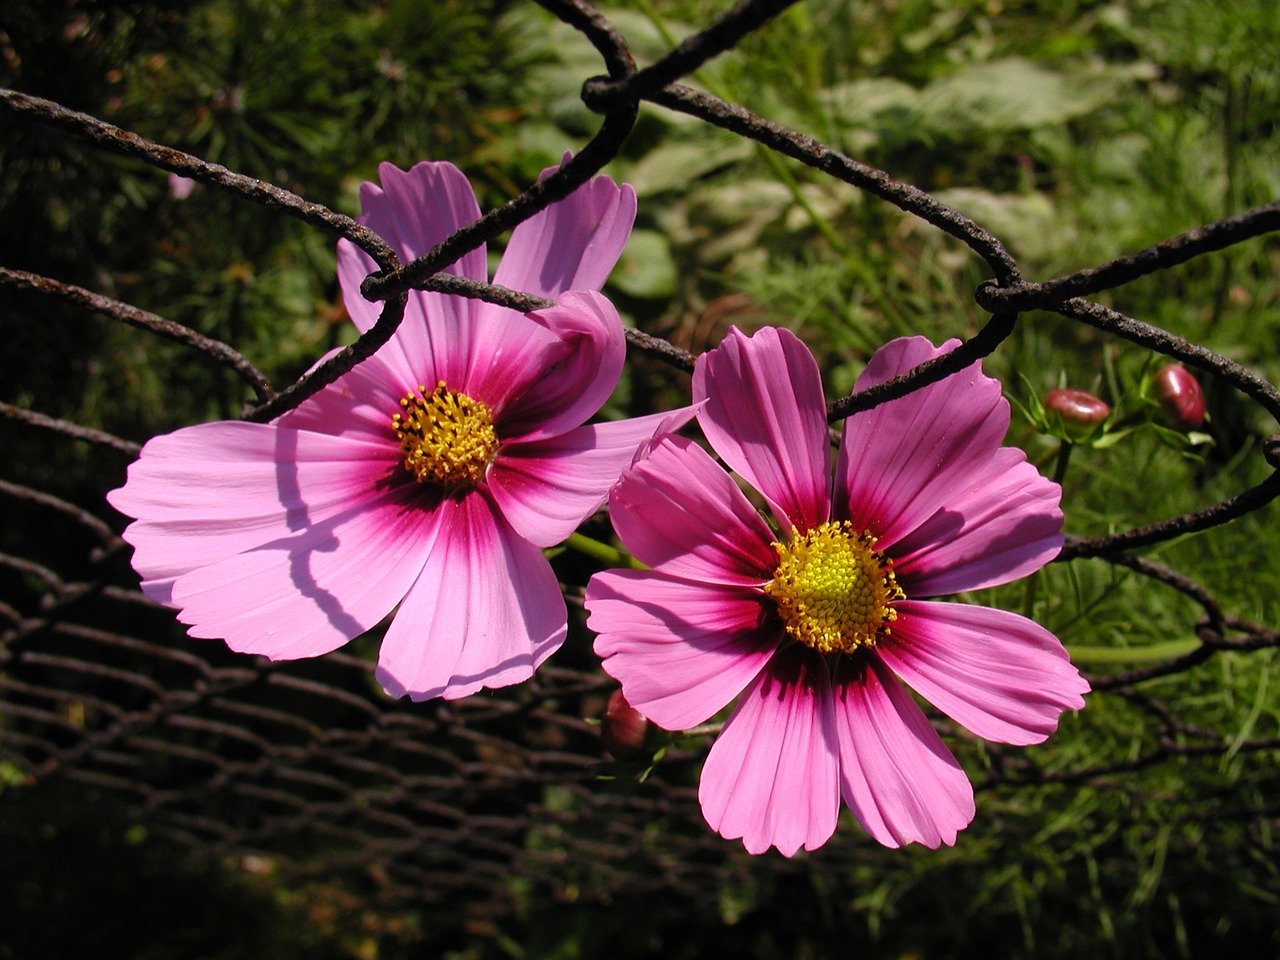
pixel 624 729
pixel 1079 411
pixel 1180 398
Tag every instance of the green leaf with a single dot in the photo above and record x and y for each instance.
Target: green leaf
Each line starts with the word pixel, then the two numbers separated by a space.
pixel 1012 94
pixel 646 268
pixel 674 166
pixel 1026 222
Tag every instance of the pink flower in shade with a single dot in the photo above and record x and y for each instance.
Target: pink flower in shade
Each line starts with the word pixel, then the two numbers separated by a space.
pixel 430 476
pixel 815 624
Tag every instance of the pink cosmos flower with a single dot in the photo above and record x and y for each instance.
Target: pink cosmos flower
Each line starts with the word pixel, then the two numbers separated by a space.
pixel 815 623
pixel 430 476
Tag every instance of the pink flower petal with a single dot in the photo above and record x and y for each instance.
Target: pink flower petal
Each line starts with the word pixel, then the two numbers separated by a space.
pixel 1005 526
pixel 902 460
pixel 765 415
pixel 896 774
pixel 358 405
pixel 208 492
pixel 898 357
pixel 312 591
pixel 681 650
pixel 413 210
pixel 571 381
pixel 433 339
pixel 485 611
pixel 572 244
pixel 547 488
pixel 491 357
pixel 353 266
pixel 1002 676
pixel 772 776
pixel 678 511
pixel 288 539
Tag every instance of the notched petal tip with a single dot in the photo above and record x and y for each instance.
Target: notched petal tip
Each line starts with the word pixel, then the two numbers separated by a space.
pixel 897 775
pixel 1001 676
pixel 572 244
pixel 766 416
pixel 485 611
pixel 772 777
pixel 904 459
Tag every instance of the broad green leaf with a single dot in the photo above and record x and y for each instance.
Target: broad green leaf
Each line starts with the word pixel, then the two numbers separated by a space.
pixel 646 269
pixel 1012 94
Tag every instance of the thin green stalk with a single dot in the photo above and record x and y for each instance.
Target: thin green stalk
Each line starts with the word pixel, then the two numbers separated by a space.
pixel 820 223
pixel 1060 467
pixel 606 554
pixel 1155 651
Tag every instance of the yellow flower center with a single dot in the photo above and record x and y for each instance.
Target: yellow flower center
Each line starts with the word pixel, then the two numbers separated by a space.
pixel 446 438
pixel 833 590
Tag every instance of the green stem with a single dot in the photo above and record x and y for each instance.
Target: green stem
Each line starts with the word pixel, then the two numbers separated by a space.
pixel 1060 468
pixel 820 223
pixel 602 552
pixel 1154 651
pixel 597 550
pixel 703 730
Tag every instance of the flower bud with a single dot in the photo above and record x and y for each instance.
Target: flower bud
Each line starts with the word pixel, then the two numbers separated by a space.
pixel 1180 398
pixel 624 729
pixel 1079 411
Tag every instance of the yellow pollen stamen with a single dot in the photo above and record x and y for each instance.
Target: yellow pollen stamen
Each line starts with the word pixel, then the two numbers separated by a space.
pixel 446 438
pixel 832 588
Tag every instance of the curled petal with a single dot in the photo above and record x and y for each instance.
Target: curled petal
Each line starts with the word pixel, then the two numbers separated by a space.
pixel 547 488
pixel 1002 676
pixel 311 592
pixel 766 416
pixel 896 774
pixel 485 611
pixel 678 511
pixel 681 650
pixel 541 396
pixel 772 776
pixel 1006 525
pixel 899 462
pixel 572 244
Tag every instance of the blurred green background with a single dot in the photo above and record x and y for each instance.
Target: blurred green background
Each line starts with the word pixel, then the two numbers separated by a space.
pixel 1073 130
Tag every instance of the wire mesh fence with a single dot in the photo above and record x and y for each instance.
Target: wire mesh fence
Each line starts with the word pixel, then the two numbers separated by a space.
pixel 497 804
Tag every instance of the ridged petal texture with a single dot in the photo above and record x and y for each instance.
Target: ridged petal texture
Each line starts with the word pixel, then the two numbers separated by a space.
pixel 288 539
pixel 765 416
pixel 950 510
